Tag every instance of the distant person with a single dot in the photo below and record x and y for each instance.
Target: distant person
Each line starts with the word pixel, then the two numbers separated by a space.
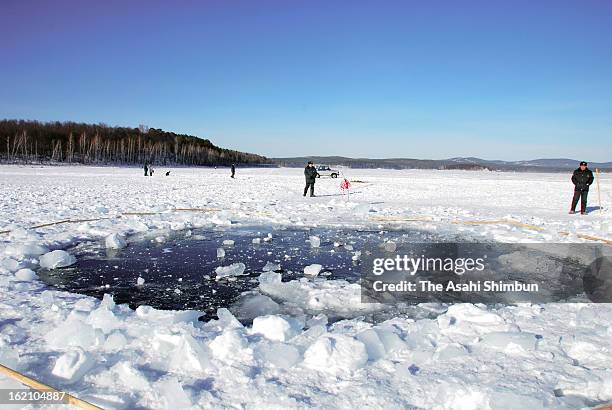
pixel 582 178
pixel 146 169
pixel 233 170
pixel 168 173
pixel 151 171
pixel 310 172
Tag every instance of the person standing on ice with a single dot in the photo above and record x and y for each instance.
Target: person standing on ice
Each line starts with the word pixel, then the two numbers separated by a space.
pixel 146 169
pixel 310 172
pixel 233 170
pixel 582 178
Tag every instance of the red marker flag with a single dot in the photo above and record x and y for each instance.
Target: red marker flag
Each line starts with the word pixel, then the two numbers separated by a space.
pixel 345 184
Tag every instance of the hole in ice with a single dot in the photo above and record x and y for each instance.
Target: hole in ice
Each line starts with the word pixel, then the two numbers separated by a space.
pixel 208 269
pixel 180 271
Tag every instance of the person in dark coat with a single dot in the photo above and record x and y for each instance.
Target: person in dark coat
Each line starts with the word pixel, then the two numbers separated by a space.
pixel 310 172
pixel 582 178
pixel 146 169
pixel 233 170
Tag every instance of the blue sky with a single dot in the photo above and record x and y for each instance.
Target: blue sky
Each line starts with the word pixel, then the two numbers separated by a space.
pixel 494 79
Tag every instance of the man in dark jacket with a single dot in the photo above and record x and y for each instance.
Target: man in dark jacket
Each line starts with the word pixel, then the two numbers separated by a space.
pixel 233 170
pixel 582 179
pixel 146 169
pixel 310 172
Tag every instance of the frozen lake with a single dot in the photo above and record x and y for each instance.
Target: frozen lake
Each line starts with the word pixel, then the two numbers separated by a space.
pixel 302 342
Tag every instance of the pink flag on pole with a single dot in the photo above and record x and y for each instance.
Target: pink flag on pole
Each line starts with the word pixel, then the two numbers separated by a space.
pixel 345 184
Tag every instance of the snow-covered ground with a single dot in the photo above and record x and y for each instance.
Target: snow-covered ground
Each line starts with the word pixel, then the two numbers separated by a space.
pixel 469 357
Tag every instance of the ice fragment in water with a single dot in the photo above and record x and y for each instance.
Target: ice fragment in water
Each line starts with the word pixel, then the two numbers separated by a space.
pixel 56 259
pixel 315 241
pixel 313 270
pixel 235 269
pixel 114 241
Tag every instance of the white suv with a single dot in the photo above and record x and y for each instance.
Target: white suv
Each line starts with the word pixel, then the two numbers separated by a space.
pixel 326 171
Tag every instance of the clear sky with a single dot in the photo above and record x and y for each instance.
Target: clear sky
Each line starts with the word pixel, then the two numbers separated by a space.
pixel 424 79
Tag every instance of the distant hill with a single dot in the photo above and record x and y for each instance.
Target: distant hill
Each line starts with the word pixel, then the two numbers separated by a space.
pixel 468 163
pixel 33 141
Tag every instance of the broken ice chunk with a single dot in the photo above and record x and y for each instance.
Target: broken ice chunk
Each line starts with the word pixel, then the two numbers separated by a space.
pixel 114 241
pixel 390 246
pixel 271 267
pixel 277 328
pixel 315 241
pixel 72 365
pixel 235 269
pixel 26 275
pixel 313 270
pixel 228 242
pixel 56 259
pixel 220 253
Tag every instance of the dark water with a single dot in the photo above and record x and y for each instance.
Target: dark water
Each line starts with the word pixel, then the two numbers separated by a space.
pixel 180 272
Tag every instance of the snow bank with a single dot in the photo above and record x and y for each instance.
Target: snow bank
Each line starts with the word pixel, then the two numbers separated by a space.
pixel 336 354
pixel 510 342
pixel 279 355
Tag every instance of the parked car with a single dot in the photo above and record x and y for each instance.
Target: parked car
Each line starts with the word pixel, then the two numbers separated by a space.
pixel 326 171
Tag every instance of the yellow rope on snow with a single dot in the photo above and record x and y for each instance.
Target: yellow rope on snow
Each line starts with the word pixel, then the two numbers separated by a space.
pixel 72 221
pixel 197 210
pixel 500 222
pixel 589 237
pixel 394 219
pixel 64 221
pixel 36 385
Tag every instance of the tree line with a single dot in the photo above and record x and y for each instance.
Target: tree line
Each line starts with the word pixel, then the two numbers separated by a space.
pixel 71 142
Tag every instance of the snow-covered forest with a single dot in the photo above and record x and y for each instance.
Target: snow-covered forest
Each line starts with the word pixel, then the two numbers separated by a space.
pixel 70 142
